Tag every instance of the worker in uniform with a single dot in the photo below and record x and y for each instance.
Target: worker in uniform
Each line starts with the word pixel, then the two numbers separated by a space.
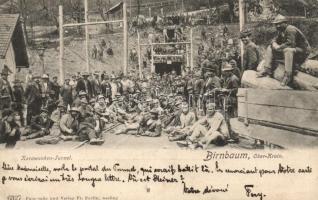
pixel 33 98
pixel 85 85
pixel 106 88
pixel 230 87
pixel 69 124
pixel 212 128
pixel 54 136
pixel 290 47
pixel 40 126
pixel 9 128
pixel 18 99
pixel 151 127
pixel 251 57
pixel 66 93
pixel 187 119
pixel 6 95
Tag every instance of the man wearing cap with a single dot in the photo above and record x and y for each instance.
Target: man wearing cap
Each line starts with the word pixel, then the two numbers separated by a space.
pixel 251 57
pixel 33 98
pixel 290 47
pixel 6 95
pixel 40 126
pixel 85 85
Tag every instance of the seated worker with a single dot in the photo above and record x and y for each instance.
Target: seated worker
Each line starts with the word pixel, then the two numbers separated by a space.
pixel 9 128
pixel 119 110
pixel 187 119
pixel 151 127
pixel 40 126
pixel 290 47
pixel 54 136
pixel 69 124
pixel 133 123
pixel 211 129
pixel 89 129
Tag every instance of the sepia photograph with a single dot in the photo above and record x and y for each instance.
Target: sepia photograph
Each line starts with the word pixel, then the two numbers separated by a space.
pixel 162 74
pixel 158 99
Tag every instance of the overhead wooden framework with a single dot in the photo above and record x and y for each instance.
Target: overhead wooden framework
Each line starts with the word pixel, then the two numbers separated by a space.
pixel 86 24
pixel 189 52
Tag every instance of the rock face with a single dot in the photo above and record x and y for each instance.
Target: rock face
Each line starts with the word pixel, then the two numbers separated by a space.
pixel 302 81
pixel 250 80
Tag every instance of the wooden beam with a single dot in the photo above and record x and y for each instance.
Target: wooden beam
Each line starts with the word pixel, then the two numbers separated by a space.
pixel 139 56
pixel 61 34
pixel 242 23
pixel 92 23
pixel 167 55
pixel 86 36
pixel 125 29
pixel 191 47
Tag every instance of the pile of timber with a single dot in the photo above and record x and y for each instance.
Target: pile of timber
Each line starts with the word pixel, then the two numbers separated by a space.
pixel 301 81
pixel 291 110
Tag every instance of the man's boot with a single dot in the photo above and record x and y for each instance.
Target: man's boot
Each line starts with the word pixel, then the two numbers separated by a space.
pixel 263 73
pixel 288 77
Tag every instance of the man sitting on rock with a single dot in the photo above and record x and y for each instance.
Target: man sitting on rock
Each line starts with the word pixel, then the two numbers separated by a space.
pixel 289 47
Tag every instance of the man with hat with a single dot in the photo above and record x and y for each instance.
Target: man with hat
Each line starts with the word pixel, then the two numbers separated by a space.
pixel 152 126
pixel 106 88
pixel 46 89
pixel 18 99
pixel 54 136
pixel 55 88
pixel 6 95
pixel 290 47
pixel 33 98
pixel 85 85
pixel 9 128
pixel 67 93
pixel 96 84
pixel 40 126
pixel 251 57
pixel 69 124
pixel 230 87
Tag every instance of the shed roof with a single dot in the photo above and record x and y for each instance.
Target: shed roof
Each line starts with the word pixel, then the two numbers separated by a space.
pixel 8 23
pixel 11 31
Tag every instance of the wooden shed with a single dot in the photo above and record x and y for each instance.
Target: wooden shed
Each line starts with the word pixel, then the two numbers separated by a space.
pixel 13 50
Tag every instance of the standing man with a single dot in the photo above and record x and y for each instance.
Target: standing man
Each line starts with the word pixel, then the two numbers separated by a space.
pixel 290 47
pixel 251 57
pixel 67 93
pixel 85 85
pixel 33 98
pixel 6 95
pixel 18 99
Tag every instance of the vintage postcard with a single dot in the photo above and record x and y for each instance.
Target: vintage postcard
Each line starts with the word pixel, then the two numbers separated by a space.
pixel 158 99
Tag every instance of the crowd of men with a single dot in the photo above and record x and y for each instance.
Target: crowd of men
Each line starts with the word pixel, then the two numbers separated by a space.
pixel 192 108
